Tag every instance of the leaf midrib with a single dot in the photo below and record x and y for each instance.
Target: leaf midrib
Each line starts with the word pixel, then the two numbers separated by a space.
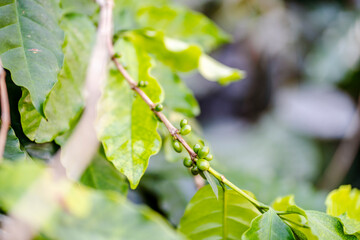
pixel 22 40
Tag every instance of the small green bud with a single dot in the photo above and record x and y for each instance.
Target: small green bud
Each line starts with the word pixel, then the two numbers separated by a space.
pixel 195 170
pixel 142 84
pixel 203 152
pixel 177 146
pixel 209 157
pixel 202 164
pixel 159 107
pixel 146 83
pixel 196 148
pixel 117 55
pixel 187 162
pixel 183 122
pixel 185 130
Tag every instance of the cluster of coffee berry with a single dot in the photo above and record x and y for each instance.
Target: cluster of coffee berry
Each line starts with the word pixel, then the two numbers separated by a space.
pixel 201 162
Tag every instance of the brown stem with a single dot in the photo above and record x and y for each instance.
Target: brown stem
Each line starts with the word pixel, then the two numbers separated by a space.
pixel 344 155
pixel 5 111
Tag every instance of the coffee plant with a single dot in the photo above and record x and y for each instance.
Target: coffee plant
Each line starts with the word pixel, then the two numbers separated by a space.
pixel 46 49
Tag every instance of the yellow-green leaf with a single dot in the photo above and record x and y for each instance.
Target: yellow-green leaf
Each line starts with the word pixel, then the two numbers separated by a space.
pixel 344 203
pixel 127 126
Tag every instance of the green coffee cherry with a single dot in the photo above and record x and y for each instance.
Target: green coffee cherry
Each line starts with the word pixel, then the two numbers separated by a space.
pixel 195 170
pixel 177 146
pixel 183 122
pixel 185 130
pixel 209 157
pixel 159 107
pixel 203 152
pixel 196 148
pixel 187 162
pixel 202 164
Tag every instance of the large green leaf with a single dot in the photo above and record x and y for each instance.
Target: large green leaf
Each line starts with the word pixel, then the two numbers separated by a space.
pixel 344 203
pixel 88 214
pixel 127 126
pixel 268 226
pixel 65 101
pixel 177 96
pixel 30 45
pixel 13 150
pixel 207 217
pixel 181 23
pixel 101 174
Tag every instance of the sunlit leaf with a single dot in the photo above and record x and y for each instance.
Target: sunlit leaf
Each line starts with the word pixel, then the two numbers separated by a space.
pixel 30 45
pixel 268 226
pixel 212 70
pixel 344 203
pixel 321 225
pixel 127 126
pixel 181 23
pixel 225 218
pixel 65 101
pixel 183 57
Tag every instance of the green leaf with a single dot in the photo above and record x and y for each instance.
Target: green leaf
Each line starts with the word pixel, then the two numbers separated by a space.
pixel 177 96
pixel 207 217
pixel 176 54
pixel 65 101
pixel 101 174
pixel 212 70
pixel 12 147
pixel 322 226
pixel 212 183
pixel 89 214
pixel 326 227
pixel 268 226
pixel 125 12
pixel 183 57
pixel 344 203
pixel 30 45
pixel 127 126
pixel 183 24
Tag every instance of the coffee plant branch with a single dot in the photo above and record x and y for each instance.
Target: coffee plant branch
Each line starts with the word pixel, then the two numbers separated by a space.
pixel 5 111
pixel 174 132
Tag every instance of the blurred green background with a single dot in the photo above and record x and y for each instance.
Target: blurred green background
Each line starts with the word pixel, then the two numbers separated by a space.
pixel 275 132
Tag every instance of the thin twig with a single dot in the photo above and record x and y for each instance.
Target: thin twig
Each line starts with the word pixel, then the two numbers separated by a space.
pixel 49 191
pixel 5 111
pixel 344 155
pixel 175 133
